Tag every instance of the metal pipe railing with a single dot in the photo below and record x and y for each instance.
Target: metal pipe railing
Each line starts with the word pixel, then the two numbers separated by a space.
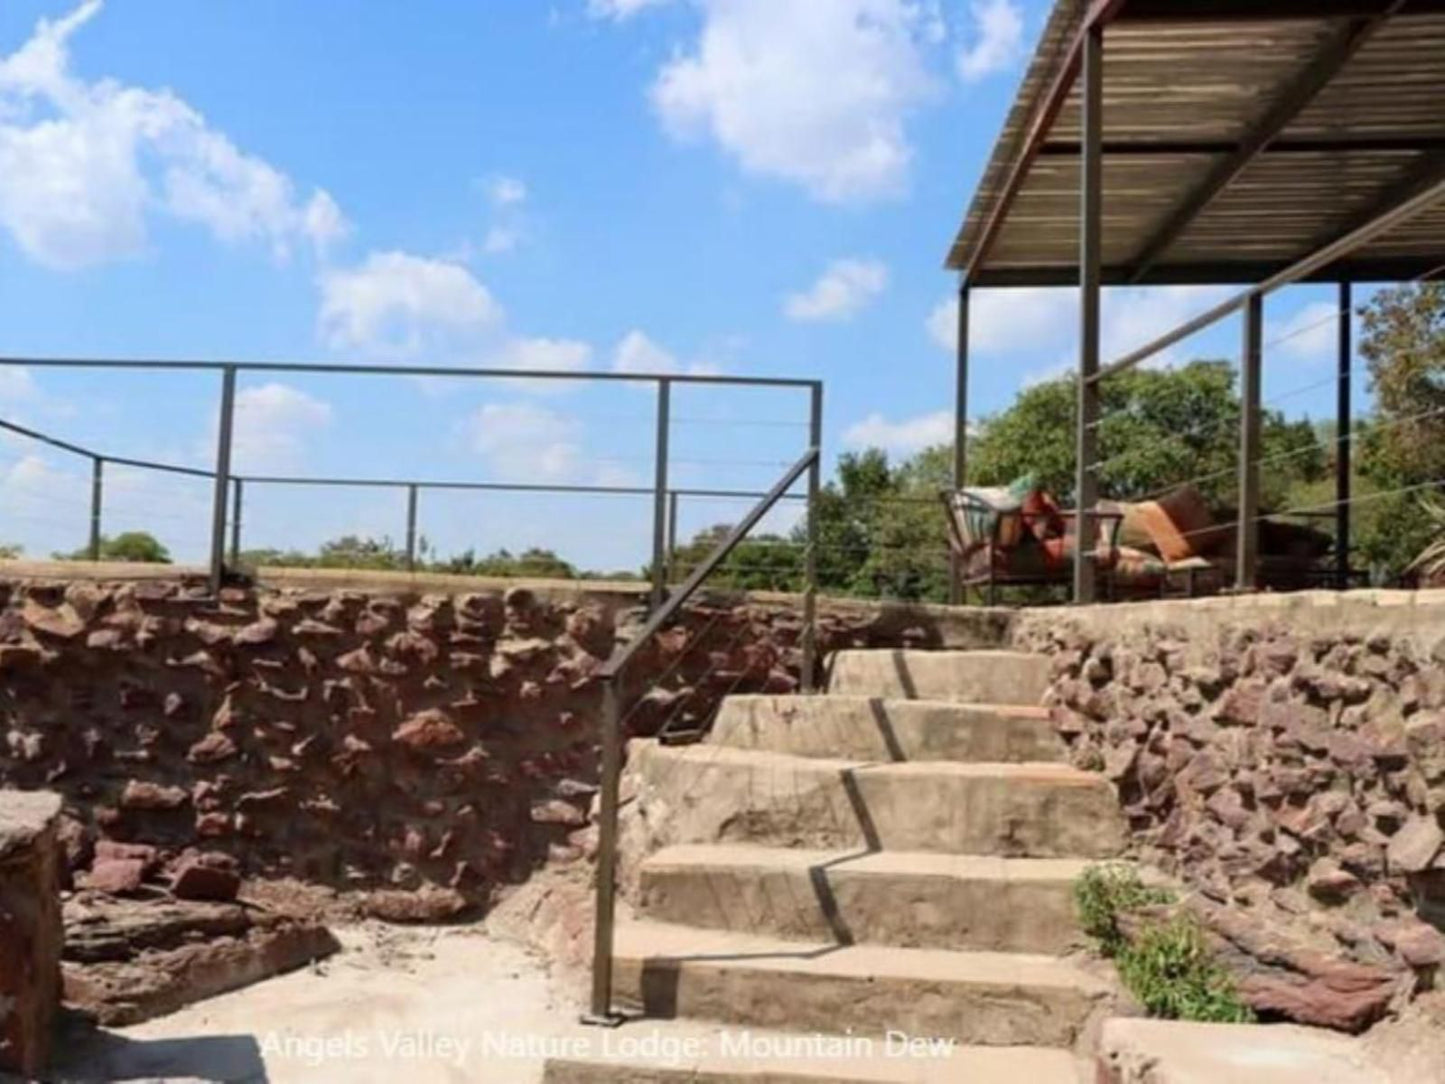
pixel 611 672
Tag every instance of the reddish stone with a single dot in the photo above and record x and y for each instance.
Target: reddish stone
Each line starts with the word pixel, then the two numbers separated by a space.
pixel 206 877
pixel 212 749
pixel 142 795
pixel 117 876
pixel 429 730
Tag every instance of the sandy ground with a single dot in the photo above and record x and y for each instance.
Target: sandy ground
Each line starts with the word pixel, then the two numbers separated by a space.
pixel 419 1005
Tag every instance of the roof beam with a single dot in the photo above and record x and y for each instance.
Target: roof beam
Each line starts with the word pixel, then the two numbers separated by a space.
pixel 1288 103
pixel 1126 148
pixel 1099 13
pixel 1217 273
pixel 1428 172
pixel 1206 11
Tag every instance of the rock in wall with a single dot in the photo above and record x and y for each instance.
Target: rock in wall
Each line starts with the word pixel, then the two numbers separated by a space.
pixel 1295 779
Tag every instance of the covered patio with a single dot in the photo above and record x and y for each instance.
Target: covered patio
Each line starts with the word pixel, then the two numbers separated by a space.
pixel 1257 143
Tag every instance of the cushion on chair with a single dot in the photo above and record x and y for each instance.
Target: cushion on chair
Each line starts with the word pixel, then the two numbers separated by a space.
pixel 1180 525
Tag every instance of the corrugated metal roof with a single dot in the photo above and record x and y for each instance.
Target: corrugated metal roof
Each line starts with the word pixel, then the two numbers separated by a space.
pixel 1180 94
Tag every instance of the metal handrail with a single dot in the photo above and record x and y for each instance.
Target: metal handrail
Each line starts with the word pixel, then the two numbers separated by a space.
pixel 611 673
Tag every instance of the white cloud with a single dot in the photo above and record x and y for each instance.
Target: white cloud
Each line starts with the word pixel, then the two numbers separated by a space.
pixel 1023 320
pixel 397 304
pixel 842 291
pixel 501 239
pixel 546 355
pixel 996 41
pixel 1311 334
pixel 17 385
pixel 903 437
pixel 506 191
pixel 815 93
pixel 525 442
pixel 83 164
pixel 620 9
pixel 273 424
pixel 637 353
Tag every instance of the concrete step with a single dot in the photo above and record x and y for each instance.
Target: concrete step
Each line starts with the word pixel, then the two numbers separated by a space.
pixel 714 794
pixel 976 998
pixel 913 900
pixel 668 1051
pixel 869 728
pixel 970 677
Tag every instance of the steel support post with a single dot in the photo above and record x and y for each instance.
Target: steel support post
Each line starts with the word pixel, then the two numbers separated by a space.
pixel 1251 370
pixel 411 499
pixel 224 429
pixel 97 501
pixel 1086 488
pixel 810 589
pixel 960 435
pixel 1344 441
pixel 237 502
pixel 672 502
pixel 600 1012
pixel 659 494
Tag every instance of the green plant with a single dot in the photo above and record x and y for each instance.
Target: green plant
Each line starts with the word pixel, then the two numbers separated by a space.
pixel 10 552
pixel 1103 893
pixel 1168 968
pixel 1430 565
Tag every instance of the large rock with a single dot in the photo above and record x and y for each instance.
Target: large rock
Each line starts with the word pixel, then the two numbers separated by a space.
pixel 129 960
pixel 30 929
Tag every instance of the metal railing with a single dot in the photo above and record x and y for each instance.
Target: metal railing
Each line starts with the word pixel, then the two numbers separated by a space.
pixel 230 487
pixel 612 672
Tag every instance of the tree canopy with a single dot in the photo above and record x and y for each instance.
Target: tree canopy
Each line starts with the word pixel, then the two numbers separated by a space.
pixel 140 547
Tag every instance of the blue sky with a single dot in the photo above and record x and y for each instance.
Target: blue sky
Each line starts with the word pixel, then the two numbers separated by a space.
pixel 752 187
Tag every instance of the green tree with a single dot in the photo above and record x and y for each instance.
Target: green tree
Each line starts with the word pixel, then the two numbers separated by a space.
pixel 1401 450
pixel 1158 429
pixel 533 563
pixel 140 547
pixel 355 551
pixel 10 551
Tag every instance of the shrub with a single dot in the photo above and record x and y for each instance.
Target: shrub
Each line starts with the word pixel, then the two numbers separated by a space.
pixel 1168 968
pixel 1103 893
pixel 1165 963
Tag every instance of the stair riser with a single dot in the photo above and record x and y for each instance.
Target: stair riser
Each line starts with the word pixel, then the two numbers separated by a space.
pixel 969 678
pixel 919 911
pixel 801 803
pixel 856 728
pixel 992 1014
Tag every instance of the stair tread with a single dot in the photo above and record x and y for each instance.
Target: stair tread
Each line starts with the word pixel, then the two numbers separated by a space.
pixel 963 707
pixel 648 940
pixel 872 1063
pixel 724 856
pixel 1041 770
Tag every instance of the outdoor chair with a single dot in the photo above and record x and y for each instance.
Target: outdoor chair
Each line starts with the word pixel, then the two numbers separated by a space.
pixel 1017 536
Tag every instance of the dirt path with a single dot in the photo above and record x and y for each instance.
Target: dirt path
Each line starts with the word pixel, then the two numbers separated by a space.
pixel 422 1005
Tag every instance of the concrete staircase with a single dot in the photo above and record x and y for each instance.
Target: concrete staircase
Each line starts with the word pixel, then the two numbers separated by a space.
pixel 895 856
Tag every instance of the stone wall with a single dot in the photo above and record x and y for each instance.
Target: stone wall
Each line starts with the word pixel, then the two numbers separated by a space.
pixel 1285 757
pixel 360 739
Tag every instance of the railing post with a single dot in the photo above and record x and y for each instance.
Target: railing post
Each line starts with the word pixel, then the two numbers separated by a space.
pixel 1344 451
pixel 97 500
pixel 224 429
pixel 672 502
pixel 810 589
pixel 236 503
pixel 1091 88
pixel 411 496
pixel 600 1012
pixel 659 494
pixel 1251 367
pixel 960 437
